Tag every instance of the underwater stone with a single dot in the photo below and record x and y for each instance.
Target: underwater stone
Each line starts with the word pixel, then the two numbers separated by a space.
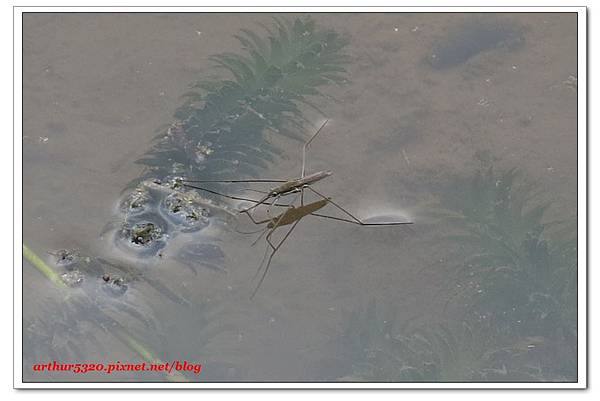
pixel 469 40
pixel 144 233
pixel 145 236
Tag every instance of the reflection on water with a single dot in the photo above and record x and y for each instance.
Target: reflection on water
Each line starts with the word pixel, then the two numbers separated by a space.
pixel 481 288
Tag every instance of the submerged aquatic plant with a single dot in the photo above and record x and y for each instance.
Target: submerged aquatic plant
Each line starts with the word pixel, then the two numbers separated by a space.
pixel 476 351
pixel 220 130
pixel 517 270
pixel 376 348
pixel 69 329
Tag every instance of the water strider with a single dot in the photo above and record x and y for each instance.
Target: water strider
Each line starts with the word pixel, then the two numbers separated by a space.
pixel 293 213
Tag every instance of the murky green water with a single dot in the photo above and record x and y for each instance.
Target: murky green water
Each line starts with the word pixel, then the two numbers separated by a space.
pixel 479 288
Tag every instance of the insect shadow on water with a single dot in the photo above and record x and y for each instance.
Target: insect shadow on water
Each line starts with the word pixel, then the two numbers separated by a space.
pixel 293 213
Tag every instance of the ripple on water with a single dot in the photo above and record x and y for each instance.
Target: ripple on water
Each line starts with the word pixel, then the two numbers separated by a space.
pixel 386 218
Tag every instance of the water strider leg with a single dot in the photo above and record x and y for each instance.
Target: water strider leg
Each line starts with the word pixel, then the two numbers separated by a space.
pixel 210 191
pixel 270 232
pixel 247 232
pixel 256 190
pixel 306 146
pixel 270 219
pixel 406 225
pixel 355 219
pixel 227 196
pixel 231 181
pixel 275 248
pixel 261 262
pixel 257 222
pixel 271 204
pixel 259 237
pixel 257 203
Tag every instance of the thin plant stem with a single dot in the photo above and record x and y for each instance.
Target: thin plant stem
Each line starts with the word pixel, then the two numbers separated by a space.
pixel 119 333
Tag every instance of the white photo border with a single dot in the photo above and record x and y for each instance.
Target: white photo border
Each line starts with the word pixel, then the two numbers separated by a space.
pixel 581 204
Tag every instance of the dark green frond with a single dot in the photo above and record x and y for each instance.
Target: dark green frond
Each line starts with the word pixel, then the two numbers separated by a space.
pixel 223 122
pixel 514 267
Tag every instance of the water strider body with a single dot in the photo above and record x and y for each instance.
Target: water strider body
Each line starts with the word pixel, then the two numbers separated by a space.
pixel 291 186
